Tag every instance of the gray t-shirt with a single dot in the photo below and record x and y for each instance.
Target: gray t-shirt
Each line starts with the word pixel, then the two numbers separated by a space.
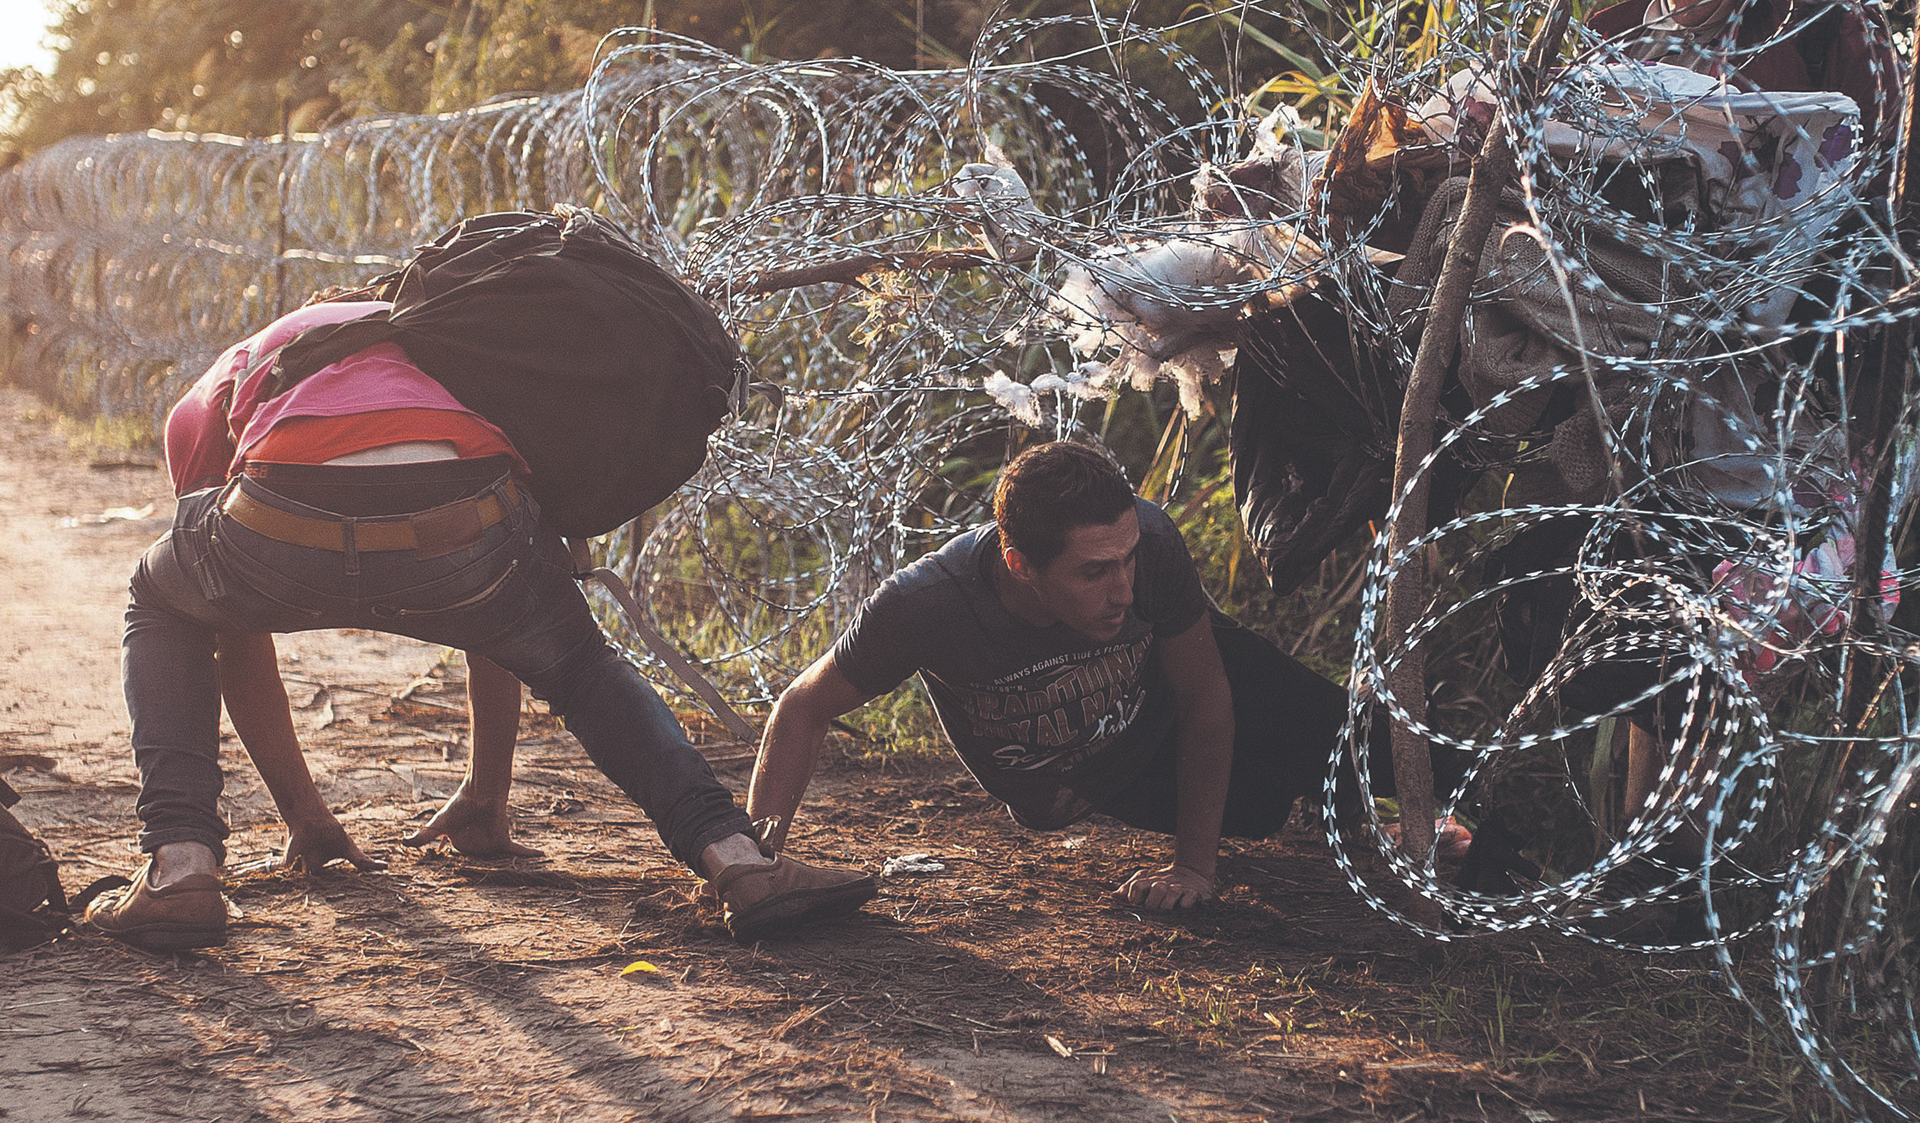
pixel 1051 722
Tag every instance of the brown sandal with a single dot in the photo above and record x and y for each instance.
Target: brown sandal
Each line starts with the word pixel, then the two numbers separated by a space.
pixel 189 913
pixel 763 899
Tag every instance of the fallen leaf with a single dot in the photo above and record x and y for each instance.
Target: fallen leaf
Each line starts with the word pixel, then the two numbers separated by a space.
pixel 639 966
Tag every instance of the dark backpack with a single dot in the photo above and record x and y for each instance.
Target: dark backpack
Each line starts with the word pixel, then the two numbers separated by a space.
pixel 33 908
pixel 605 372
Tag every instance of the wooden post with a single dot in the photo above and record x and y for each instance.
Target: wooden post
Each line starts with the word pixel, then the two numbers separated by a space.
pixel 1896 358
pixel 1826 912
pixel 1492 169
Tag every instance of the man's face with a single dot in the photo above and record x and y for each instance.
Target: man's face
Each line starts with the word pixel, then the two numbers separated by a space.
pixel 1090 585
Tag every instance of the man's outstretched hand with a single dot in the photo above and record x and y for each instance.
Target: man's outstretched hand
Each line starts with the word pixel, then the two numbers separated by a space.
pixel 311 845
pixel 477 828
pixel 1169 887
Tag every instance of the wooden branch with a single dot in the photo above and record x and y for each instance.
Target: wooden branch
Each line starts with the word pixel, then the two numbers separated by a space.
pixel 1896 359
pixel 1492 168
pixel 1827 911
pixel 848 271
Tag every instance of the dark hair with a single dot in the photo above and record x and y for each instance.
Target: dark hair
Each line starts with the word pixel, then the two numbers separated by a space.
pixel 1049 490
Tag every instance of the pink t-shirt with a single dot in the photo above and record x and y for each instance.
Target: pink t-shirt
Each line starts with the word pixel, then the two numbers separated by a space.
pixel 221 417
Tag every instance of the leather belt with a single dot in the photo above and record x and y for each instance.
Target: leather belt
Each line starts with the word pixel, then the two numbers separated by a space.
pixel 433 532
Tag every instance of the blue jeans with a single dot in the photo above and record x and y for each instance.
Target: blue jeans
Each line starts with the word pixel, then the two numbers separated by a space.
pixel 508 595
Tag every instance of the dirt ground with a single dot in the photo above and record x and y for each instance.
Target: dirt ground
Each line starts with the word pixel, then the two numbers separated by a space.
pixel 1002 985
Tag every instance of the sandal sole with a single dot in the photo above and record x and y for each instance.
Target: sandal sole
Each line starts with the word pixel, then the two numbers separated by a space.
pixel 800 907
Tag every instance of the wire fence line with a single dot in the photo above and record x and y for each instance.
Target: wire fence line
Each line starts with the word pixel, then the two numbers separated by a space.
pixel 1692 299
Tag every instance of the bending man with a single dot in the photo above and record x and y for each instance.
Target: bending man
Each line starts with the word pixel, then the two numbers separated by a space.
pixel 367 496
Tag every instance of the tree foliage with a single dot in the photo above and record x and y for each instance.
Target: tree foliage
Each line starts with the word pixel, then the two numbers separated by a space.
pixel 239 67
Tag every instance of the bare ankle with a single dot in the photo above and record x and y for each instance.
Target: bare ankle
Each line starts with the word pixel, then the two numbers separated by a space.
pixel 733 850
pixel 176 860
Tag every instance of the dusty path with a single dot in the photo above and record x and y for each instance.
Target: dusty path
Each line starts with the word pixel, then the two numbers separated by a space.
pixel 1002 986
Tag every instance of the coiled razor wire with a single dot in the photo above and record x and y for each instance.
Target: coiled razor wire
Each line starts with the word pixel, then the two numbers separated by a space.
pixel 841 217
pixel 1703 571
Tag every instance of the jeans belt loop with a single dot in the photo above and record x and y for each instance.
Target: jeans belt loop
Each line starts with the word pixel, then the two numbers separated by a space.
pixel 350 546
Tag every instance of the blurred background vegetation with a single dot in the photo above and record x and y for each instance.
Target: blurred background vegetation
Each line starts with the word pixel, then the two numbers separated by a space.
pixel 249 69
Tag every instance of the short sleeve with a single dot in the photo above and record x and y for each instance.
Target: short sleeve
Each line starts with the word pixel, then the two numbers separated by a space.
pixel 880 650
pixel 1167 593
pixel 197 443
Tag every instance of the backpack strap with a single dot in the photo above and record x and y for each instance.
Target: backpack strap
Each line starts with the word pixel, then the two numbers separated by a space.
pixel 323 345
pixel 659 645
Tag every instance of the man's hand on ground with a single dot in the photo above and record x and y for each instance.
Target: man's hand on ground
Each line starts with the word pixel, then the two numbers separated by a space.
pixel 311 845
pixel 478 829
pixel 1169 887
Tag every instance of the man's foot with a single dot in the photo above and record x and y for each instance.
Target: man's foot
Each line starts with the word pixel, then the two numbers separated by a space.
pixel 765 900
pixel 186 913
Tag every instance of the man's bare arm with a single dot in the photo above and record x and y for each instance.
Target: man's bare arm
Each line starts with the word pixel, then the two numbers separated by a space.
pixel 796 733
pixel 256 702
pixel 1204 765
pixel 474 818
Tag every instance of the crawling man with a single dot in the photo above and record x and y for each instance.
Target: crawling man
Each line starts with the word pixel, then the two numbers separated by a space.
pixel 1077 666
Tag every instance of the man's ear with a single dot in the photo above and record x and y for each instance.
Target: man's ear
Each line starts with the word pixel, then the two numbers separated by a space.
pixel 1017 563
